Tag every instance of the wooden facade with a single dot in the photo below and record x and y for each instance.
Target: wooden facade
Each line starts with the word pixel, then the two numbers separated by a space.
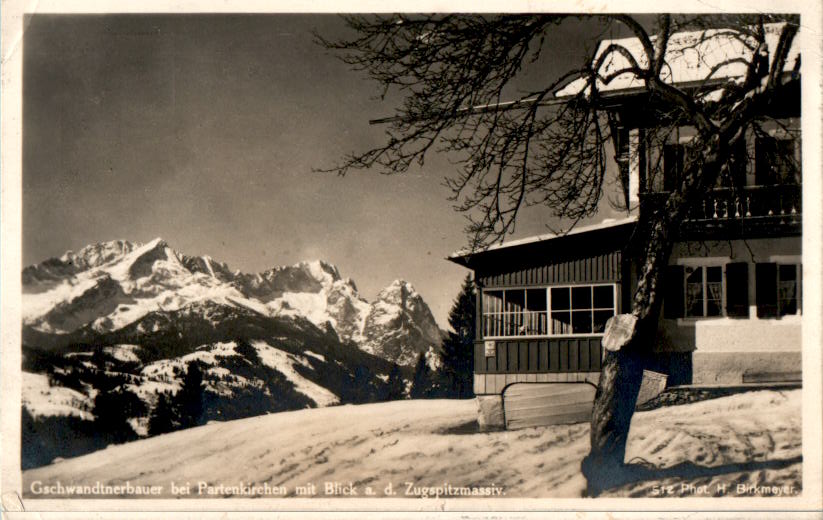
pixel 592 257
pixel 605 267
pixel 550 355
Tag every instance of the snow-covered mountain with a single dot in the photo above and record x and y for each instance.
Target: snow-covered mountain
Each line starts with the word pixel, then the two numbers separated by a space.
pixel 108 286
pixel 398 319
pixel 128 321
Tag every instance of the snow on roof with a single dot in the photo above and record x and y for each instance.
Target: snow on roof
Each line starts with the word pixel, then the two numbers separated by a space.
pixel 605 224
pixel 690 58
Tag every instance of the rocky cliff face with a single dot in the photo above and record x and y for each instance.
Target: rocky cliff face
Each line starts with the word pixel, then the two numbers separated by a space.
pixel 399 325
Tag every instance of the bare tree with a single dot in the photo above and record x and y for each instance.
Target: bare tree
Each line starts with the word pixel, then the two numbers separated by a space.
pixel 549 147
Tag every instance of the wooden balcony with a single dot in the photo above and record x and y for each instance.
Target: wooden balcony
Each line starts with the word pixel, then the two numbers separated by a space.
pixel 748 211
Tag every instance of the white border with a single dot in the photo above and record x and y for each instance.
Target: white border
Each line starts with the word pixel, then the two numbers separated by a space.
pixel 808 505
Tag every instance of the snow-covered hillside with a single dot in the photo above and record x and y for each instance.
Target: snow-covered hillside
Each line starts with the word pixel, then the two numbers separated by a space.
pixel 44 400
pixel 751 438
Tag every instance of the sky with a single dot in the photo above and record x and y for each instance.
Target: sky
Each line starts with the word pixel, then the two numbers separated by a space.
pixel 207 131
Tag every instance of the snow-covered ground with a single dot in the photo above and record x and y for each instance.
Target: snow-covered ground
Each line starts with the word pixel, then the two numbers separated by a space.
pixel 284 363
pixel 432 443
pixel 44 400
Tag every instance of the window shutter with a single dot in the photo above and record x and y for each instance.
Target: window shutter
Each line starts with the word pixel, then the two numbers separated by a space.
pixel 766 279
pixel 737 290
pixel 673 292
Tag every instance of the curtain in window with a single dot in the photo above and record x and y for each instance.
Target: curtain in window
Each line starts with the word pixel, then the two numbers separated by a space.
pixel 694 292
pixel 787 289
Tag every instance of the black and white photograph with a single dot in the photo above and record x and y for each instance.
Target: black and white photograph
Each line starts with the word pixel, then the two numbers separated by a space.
pixel 413 260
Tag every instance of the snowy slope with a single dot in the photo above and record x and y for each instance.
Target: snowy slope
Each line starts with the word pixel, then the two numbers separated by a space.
pixel 284 363
pixel 431 442
pixel 44 400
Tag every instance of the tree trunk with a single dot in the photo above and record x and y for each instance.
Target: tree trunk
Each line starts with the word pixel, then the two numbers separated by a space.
pixel 614 405
pixel 622 370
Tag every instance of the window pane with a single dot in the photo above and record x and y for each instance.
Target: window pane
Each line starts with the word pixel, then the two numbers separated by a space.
pixel 694 292
pixel 787 272
pixel 536 299
pixel 786 167
pixel 582 298
pixel 492 301
pixel 600 319
pixel 515 324
pixel 534 323
pixel 560 299
pixel 673 155
pixel 490 324
pixel 561 322
pixel 515 300
pixel 581 322
pixel 493 324
pixel 604 297
pixel 775 161
pixel 713 303
pixel 714 290
pixel 787 289
pixel 766 293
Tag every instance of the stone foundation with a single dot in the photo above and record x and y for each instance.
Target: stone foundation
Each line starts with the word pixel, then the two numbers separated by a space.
pixel 730 368
pixel 490 412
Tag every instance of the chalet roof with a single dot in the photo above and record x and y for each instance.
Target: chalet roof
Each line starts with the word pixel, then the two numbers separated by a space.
pixel 465 257
pixel 690 58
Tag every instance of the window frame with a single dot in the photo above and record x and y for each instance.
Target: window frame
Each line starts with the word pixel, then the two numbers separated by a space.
pixel 775 174
pixel 703 262
pixel 704 292
pixel 722 263
pixel 798 302
pixel 797 262
pixel 548 311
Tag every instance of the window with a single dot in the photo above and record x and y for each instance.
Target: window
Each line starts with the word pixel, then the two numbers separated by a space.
pixel 580 309
pixel 515 312
pixel 775 161
pixel 787 290
pixel 734 175
pixel 673 163
pixel 778 289
pixel 704 291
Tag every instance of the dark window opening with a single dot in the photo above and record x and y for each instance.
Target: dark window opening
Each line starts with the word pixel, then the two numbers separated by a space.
pixel 775 162
pixel 674 156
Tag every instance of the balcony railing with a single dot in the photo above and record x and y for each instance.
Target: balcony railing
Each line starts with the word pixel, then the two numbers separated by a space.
pixel 750 206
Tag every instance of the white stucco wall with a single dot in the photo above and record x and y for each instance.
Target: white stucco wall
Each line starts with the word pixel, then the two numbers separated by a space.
pixel 724 349
pixel 752 335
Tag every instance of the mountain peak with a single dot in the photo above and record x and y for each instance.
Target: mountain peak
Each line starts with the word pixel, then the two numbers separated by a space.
pixel 95 255
pixel 400 325
pixel 156 243
pixel 398 290
pixel 319 269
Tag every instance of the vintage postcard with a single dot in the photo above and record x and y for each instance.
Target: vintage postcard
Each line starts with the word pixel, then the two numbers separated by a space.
pixel 474 262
